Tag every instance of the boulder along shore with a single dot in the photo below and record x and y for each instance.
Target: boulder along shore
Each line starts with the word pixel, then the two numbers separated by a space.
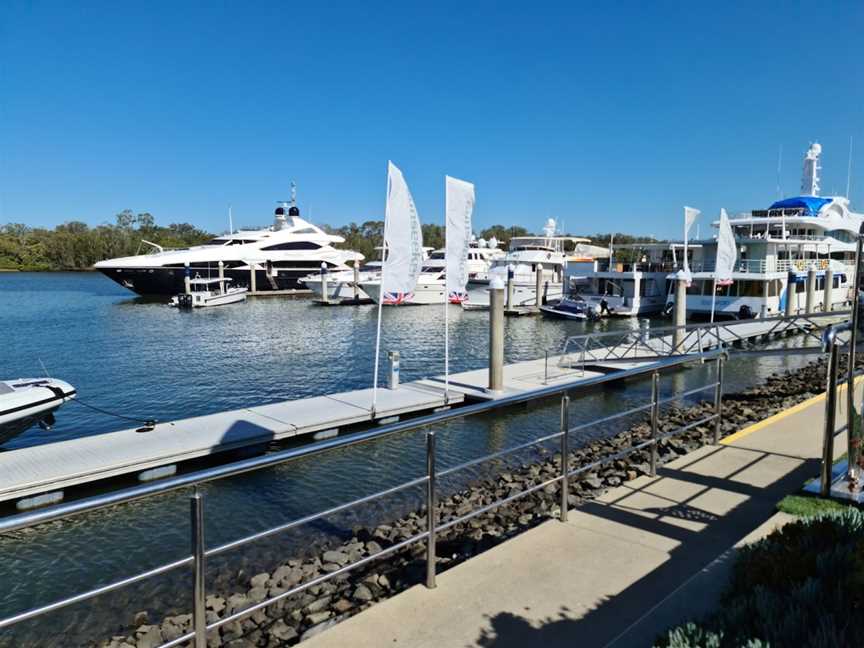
pixel 301 615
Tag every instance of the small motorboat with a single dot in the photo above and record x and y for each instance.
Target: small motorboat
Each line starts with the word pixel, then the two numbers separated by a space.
pixel 570 308
pixel 27 401
pixel 209 292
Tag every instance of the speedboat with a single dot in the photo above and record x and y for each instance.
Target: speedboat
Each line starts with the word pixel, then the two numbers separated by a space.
pixel 275 258
pixel 27 401
pixel 209 292
pixel 571 308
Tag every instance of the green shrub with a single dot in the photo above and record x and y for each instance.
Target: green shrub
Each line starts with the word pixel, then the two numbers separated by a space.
pixel 803 585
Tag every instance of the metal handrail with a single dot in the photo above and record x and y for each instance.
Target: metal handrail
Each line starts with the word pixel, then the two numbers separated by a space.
pixel 200 553
pixel 831 345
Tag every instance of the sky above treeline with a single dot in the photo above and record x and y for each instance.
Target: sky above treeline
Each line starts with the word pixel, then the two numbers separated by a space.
pixel 605 116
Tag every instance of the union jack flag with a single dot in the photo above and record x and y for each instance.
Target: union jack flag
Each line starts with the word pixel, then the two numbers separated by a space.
pixel 395 299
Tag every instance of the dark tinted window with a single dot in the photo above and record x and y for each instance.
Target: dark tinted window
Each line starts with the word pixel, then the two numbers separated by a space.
pixel 296 245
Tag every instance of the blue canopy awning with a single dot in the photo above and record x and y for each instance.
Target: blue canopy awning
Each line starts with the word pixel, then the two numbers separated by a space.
pixel 810 204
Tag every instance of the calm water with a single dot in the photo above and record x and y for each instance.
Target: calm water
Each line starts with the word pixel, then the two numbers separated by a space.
pixel 144 359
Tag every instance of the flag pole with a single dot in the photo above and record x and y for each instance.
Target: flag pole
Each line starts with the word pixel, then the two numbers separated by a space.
pixel 381 293
pixel 713 297
pixel 446 303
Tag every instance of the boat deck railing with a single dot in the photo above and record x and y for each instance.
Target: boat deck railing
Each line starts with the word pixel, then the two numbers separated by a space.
pixel 201 552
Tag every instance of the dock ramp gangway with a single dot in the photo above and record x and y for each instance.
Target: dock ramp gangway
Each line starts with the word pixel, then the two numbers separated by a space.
pixel 645 344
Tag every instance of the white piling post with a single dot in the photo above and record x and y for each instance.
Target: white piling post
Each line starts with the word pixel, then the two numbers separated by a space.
pixel 325 291
pixel 253 286
pixel 187 280
pixel 222 277
pixel 510 273
pixel 811 290
pixel 496 334
pixel 828 291
pixel 538 284
pixel 356 280
pixel 791 295
pixel 680 314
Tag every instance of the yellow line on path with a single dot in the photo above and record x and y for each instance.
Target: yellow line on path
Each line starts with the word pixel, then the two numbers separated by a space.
pixel 740 434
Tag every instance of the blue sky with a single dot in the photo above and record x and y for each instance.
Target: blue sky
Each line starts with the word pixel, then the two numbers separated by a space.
pixel 608 116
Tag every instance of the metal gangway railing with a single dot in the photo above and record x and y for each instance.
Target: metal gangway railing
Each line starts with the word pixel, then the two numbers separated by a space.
pixel 201 552
pixel 646 344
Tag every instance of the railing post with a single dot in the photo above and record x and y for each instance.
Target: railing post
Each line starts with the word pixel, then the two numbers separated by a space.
pixel 830 423
pixel 655 419
pixel 431 510
pixel 199 619
pixel 565 455
pixel 718 400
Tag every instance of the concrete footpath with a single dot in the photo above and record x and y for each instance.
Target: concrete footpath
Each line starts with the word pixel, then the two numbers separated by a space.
pixel 626 566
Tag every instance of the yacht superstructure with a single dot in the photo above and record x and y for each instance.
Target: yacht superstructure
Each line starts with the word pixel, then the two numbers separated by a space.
pixel 277 257
pixel 776 247
pixel 637 286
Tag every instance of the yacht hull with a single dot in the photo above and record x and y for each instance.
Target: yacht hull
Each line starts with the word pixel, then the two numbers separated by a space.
pixel 170 281
pixel 424 294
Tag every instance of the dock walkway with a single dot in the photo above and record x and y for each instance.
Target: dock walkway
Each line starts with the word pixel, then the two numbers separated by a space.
pixel 44 471
pixel 625 567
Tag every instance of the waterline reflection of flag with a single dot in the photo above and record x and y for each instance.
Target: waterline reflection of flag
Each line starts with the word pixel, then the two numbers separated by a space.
pixel 457 297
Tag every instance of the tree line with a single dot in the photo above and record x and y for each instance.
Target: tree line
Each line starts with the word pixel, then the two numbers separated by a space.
pixel 77 246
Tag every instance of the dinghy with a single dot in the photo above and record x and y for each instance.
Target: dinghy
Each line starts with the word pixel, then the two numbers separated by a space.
pixel 27 401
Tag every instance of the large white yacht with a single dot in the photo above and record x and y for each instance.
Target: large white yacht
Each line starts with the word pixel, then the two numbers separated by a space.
pixel 776 249
pixel 278 256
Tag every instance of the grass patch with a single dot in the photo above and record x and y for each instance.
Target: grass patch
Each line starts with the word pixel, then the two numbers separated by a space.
pixel 808 506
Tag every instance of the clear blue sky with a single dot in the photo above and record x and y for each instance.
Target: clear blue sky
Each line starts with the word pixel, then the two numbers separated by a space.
pixel 610 116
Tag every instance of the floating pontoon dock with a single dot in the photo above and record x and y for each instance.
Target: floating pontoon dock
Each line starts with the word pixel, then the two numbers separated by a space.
pixel 37 475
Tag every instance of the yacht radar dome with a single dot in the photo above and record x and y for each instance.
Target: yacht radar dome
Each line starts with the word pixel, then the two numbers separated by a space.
pixel 810 178
pixel 549 228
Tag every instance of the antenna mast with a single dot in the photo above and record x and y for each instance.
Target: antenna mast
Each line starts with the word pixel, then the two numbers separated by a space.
pixel 779 169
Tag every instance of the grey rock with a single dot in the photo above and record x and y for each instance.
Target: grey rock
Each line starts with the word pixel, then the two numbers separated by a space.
pixel 148 637
pixel 362 593
pixel 282 631
pixel 318 605
pixel 335 557
pixel 141 618
pixel 317 617
pixel 257 594
pixel 260 580
pixel 318 629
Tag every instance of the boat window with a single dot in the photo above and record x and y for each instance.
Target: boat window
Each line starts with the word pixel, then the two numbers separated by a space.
pixel 293 245
pixel 695 287
pixel 217 241
pixel 305 230
pixel 836 282
pixel 751 289
pixel 773 287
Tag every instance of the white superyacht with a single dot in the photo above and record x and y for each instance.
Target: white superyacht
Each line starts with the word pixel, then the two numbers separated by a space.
pixel 776 247
pixel 277 256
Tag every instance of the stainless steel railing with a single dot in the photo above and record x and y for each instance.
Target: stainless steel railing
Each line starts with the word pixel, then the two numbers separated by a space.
pixel 199 553
pixel 659 342
pixel 832 344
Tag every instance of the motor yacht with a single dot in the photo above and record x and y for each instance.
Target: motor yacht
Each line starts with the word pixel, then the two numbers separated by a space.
pixel 776 248
pixel 431 287
pixel 28 401
pixel 636 281
pixel 263 260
